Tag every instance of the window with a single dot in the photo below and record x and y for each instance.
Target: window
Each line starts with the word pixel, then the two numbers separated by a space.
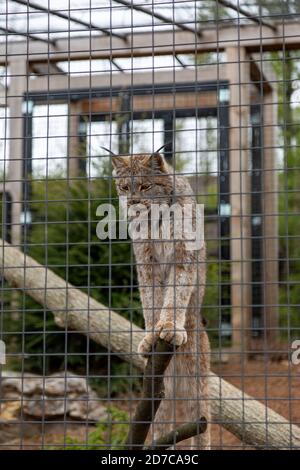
pixel 49 140
pixel 196 145
pixel 146 135
pixel 100 134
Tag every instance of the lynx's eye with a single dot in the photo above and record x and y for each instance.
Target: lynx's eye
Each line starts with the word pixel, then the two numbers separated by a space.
pixel 124 187
pixel 145 187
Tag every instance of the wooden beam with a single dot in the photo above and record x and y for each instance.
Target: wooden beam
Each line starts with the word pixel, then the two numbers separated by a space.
pixel 240 224
pixel 75 151
pixel 52 83
pixel 258 77
pixel 270 224
pixel 251 37
pixel 31 36
pixel 102 47
pixel 2 95
pixel 14 179
pixel 44 68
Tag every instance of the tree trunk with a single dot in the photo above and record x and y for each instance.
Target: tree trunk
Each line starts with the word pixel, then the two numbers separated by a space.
pixel 240 414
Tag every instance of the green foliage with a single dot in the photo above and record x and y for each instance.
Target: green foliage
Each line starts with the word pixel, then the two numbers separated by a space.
pixel 212 310
pixel 123 378
pixel 110 434
pixel 212 12
pixel 63 238
pixel 277 7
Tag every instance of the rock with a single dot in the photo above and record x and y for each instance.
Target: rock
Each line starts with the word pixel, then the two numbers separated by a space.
pixel 61 394
pixel 10 410
pixel 56 384
pixel 15 382
pixel 45 407
pixel 87 410
pixel 61 383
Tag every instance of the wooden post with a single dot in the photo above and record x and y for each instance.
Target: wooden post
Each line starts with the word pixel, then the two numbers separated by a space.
pixel 270 223
pixel 15 100
pixel 74 144
pixel 14 178
pixel 238 74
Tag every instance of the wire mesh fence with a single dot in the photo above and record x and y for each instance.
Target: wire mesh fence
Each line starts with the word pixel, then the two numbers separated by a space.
pixel 149 162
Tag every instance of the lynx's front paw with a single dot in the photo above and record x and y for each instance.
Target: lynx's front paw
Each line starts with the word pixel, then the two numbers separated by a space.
pixel 171 333
pixel 146 345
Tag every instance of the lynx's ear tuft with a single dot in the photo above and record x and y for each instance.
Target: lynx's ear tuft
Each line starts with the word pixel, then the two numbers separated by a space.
pixel 159 163
pixel 156 162
pixel 117 161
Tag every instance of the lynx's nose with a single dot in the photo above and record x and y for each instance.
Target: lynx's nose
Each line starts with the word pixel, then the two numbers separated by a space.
pixel 134 201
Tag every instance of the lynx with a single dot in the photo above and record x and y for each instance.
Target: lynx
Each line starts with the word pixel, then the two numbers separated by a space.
pixel 171 284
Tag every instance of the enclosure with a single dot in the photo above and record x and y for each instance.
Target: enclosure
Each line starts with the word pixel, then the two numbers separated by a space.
pixel 217 84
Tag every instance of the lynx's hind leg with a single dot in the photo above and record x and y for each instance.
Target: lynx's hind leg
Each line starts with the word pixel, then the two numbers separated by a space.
pixel 163 422
pixel 170 415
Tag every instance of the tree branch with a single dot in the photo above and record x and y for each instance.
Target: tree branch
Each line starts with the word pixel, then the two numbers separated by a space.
pixel 186 431
pixel 152 394
pixel 248 419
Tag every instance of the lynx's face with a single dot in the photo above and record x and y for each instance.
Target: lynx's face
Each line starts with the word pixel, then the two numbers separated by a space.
pixel 143 179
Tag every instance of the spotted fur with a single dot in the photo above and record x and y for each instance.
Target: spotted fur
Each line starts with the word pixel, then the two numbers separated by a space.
pixel 171 283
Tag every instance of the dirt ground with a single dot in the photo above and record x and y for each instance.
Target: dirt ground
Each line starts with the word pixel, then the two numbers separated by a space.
pixel 276 384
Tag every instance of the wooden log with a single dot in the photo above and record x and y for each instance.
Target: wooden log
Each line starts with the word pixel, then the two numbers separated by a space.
pixel 249 420
pixel 239 413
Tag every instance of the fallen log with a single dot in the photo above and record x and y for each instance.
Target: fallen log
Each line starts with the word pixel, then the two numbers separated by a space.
pixel 242 415
pixel 72 308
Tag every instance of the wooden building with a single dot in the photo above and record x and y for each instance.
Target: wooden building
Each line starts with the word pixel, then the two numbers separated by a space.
pixel 236 91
